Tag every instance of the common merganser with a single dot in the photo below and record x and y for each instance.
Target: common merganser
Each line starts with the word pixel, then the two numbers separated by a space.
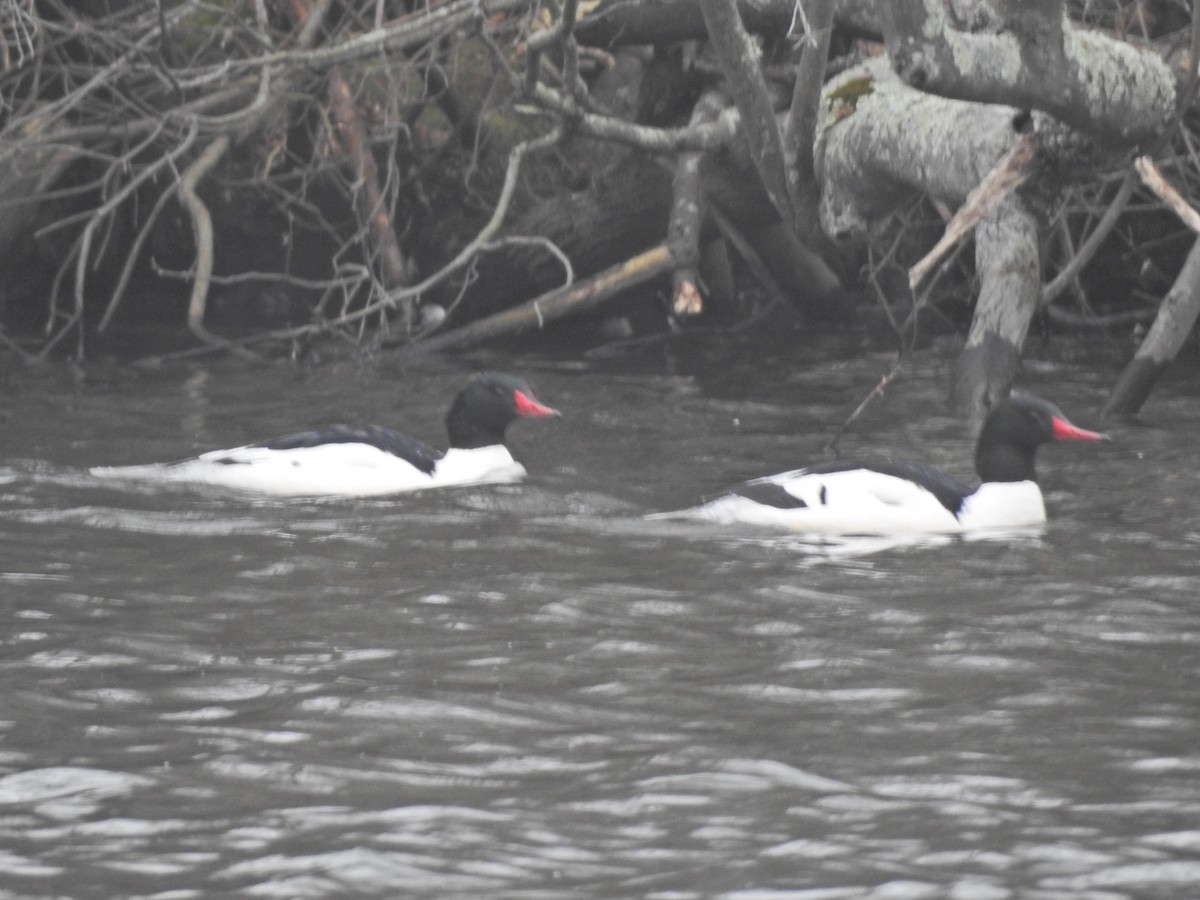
pixel 892 497
pixel 368 460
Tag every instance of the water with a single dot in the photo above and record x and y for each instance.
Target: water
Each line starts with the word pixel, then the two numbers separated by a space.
pixel 530 691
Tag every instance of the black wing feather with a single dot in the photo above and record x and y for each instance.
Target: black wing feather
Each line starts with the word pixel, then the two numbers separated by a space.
pixel 769 494
pixel 412 451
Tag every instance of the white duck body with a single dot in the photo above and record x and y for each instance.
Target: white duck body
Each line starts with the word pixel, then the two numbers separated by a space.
pixel 892 497
pixel 865 501
pixel 331 469
pixel 365 461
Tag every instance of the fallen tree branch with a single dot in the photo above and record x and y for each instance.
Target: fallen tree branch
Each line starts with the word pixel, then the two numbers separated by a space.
pixel 556 304
pixel 1172 326
pixel 1176 316
pixel 895 142
pixel 687 216
pixel 1033 57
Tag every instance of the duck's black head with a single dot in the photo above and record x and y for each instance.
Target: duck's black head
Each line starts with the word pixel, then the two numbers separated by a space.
pixel 1012 432
pixel 482 411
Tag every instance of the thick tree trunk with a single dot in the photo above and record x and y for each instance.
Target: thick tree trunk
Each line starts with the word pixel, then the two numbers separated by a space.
pixel 1006 257
pixel 1029 55
pixel 893 142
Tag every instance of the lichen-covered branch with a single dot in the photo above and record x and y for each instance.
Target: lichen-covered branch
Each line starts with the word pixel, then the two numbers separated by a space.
pixel 882 142
pixel 1029 55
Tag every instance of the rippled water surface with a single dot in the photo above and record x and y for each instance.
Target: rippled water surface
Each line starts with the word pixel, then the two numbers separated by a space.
pixel 532 691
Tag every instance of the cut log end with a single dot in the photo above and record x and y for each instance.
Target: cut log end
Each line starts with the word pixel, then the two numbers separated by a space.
pixel 687 300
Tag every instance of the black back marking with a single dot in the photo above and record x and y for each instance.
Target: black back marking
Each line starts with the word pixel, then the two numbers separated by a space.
pixel 421 456
pixel 769 494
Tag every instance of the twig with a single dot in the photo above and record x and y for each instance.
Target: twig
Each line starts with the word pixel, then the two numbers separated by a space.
pixel 481 240
pixel 412 31
pixel 1006 176
pixel 109 208
pixel 351 131
pixel 1089 247
pixel 1108 320
pixel 709 136
pixel 1153 178
pixel 488 231
pixel 15 348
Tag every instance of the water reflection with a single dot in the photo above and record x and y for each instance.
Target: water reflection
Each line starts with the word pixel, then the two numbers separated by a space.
pixel 534 691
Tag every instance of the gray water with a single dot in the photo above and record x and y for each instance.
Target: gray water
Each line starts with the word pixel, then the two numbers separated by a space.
pixel 531 691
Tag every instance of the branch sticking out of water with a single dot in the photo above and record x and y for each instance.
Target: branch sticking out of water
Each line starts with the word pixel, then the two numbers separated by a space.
pixel 876 392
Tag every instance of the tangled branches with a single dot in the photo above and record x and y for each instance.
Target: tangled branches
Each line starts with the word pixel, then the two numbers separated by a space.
pixel 305 132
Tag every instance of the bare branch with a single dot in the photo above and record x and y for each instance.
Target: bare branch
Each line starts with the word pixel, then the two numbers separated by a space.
pixel 1153 178
pixel 800 133
pixel 202 226
pixel 413 31
pixel 1089 247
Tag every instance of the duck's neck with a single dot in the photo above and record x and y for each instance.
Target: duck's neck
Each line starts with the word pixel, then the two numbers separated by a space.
pixel 1004 462
pixel 467 432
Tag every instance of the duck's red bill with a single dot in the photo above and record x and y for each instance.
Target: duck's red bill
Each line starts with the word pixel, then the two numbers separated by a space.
pixel 527 406
pixel 1065 431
